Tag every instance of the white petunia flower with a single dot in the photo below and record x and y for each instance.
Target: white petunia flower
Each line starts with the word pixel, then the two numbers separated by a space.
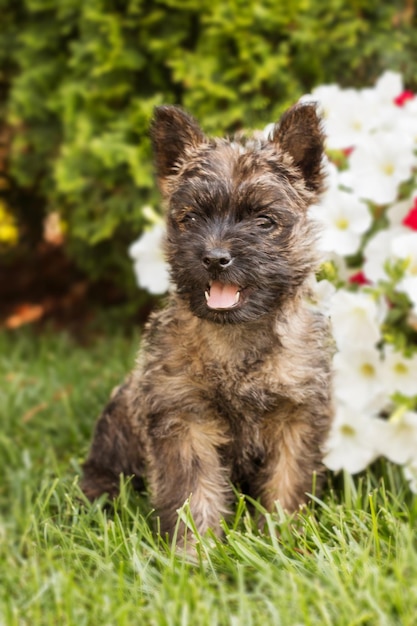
pixel 407 122
pixel 378 164
pixel 387 114
pixel 353 442
pixel 399 373
pixel 344 219
pixel 150 266
pixel 388 86
pixel 358 380
pixel 351 114
pixel 378 251
pixel 356 319
pixel 325 96
pixel 323 292
pixel 404 247
pixel 399 210
pixel 410 474
pixel 399 441
pixel 347 115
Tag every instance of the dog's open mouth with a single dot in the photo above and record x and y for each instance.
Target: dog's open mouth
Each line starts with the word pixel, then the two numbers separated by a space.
pixel 222 296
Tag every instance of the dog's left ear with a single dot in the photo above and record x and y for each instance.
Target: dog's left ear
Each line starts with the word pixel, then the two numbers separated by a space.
pixel 174 134
pixel 300 134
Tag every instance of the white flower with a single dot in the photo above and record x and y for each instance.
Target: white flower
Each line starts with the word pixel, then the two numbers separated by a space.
pixel 404 247
pixel 358 380
pixel 410 474
pixel 351 114
pixel 377 252
pixel 387 116
pixel 353 441
pixel 407 122
pixel 399 441
pixel 356 319
pixel 347 115
pixel 344 219
pixel 399 373
pixel 388 86
pixel 378 165
pixel 398 211
pixel 150 266
pixel 325 96
pixel 323 292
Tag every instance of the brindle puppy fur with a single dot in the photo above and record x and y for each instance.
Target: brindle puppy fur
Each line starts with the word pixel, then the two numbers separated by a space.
pixel 227 391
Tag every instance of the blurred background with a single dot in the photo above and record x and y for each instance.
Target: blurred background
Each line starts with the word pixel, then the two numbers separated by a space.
pixel 78 84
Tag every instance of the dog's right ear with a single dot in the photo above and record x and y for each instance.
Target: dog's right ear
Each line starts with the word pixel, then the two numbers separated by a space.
pixel 300 134
pixel 174 134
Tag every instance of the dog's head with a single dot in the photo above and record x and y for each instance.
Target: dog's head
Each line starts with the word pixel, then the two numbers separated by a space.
pixel 239 241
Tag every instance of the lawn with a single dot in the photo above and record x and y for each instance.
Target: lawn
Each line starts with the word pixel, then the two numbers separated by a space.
pixel 350 559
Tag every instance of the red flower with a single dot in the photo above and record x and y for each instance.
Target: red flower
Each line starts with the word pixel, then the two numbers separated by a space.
pixel 359 278
pixel 410 219
pixel 403 97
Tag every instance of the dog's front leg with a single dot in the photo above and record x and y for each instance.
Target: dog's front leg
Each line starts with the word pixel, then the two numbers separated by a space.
pixel 294 459
pixel 184 462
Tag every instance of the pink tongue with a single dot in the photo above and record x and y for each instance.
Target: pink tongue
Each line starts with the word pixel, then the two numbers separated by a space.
pixel 222 296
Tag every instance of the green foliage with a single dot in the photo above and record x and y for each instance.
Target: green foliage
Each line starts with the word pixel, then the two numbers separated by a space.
pixel 81 80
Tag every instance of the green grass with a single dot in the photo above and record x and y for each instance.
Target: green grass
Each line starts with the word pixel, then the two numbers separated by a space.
pixel 351 559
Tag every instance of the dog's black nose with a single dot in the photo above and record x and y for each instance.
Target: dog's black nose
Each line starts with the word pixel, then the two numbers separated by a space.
pixel 217 259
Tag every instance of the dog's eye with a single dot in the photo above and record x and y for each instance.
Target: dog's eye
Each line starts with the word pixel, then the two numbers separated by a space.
pixel 189 219
pixel 265 222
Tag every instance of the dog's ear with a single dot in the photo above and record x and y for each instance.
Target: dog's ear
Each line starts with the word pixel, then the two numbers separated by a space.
pixel 174 133
pixel 300 134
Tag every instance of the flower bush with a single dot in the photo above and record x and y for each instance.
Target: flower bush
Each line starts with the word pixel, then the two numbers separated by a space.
pixel 368 280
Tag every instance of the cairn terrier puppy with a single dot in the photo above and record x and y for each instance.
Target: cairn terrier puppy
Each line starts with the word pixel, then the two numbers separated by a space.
pixel 232 382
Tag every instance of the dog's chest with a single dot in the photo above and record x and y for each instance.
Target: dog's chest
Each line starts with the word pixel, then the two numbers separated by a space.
pixel 240 389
